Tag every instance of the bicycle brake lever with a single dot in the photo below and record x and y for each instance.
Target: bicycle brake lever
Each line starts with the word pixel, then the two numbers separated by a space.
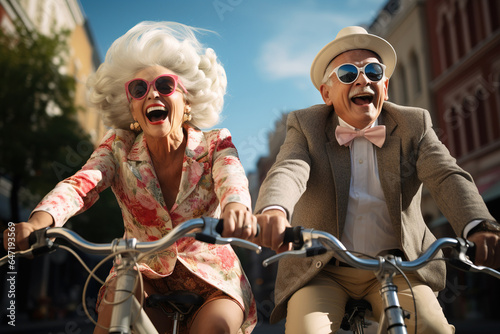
pixel 465 259
pixel 485 270
pixel 310 248
pixel 239 243
pixel 224 241
pixel 39 243
pixel 295 253
pixel 210 234
pixel 462 254
pixel 471 267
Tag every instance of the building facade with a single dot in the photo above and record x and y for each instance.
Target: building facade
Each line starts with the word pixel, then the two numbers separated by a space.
pixel 464 39
pixel 465 85
pixel 47 16
pixel 401 23
pixel 48 290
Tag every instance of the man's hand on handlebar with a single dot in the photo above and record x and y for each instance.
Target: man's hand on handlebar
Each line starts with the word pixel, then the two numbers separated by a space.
pixel 487 248
pixel 272 227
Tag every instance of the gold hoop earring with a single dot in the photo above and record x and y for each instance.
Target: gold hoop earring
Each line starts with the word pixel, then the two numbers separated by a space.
pixel 187 117
pixel 187 114
pixel 135 126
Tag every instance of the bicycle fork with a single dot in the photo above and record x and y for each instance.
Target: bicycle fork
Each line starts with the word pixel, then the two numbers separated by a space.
pixel 127 310
pixel 392 319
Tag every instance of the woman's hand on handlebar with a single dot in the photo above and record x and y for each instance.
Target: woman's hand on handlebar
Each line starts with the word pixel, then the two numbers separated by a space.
pixel 38 220
pixel 487 248
pixel 272 230
pixel 238 222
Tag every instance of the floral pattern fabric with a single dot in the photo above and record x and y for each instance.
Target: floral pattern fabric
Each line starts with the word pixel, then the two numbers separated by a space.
pixel 212 176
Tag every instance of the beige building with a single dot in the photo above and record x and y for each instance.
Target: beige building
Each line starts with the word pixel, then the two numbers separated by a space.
pixel 403 24
pixel 35 279
pixel 47 16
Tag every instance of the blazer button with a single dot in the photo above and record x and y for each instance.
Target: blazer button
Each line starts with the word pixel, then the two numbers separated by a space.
pixel 319 264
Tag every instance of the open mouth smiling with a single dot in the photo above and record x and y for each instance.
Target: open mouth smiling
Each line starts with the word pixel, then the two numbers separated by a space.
pixel 362 99
pixel 156 114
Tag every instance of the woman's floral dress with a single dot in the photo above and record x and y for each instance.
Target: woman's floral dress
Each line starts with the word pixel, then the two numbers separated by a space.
pixel 212 176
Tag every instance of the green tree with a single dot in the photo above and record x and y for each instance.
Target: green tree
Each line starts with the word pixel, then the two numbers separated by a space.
pixel 41 141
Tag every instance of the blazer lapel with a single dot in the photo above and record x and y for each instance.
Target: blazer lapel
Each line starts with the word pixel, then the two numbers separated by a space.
pixel 340 163
pixel 388 159
pixel 194 163
pixel 140 164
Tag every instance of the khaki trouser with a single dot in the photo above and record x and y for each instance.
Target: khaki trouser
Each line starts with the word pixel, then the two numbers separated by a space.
pixel 318 307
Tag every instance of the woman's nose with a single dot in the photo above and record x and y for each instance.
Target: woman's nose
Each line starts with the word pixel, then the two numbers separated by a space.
pixel 154 93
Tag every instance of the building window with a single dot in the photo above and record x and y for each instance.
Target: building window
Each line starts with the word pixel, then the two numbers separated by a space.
pixel 494 11
pixel 447 42
pixel 469 110
pixel 495 107
pixel 392 97
pixel 459 28
pixel 453 121
pixel 483 125
pixel 403 87
pixel 415 73
pixel 473 23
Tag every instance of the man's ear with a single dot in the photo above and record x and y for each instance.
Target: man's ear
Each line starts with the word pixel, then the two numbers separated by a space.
pixel 325 94
pixel 386 89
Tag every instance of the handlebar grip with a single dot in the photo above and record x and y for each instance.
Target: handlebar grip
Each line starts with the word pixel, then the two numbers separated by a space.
pixel 219 228
pixel 33 238
pixel 294 235
pixel 471 251
pixel 40 243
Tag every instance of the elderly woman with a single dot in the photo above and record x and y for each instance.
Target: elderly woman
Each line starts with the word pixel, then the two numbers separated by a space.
pixel 156 88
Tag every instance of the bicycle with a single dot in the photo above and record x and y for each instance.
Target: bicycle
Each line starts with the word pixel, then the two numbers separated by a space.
pixel 128 315
pixel 310 242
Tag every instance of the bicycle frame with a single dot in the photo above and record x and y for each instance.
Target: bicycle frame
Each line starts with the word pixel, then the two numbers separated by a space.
pixel 355 316
pixel 390 300
pixel 127 311
pixel 309 242
pixel 123 316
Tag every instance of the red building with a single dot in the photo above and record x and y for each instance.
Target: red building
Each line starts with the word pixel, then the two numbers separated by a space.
pixel 464 39
pixel 464 51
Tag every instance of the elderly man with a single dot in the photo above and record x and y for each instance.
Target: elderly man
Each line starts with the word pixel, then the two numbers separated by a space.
pixel 354 167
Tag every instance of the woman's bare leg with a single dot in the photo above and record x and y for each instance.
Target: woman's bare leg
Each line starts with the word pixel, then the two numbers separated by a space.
pixel 158 318
pixel 220 316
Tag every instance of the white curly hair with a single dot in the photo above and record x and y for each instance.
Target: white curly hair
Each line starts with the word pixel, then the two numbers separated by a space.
pixel 168 44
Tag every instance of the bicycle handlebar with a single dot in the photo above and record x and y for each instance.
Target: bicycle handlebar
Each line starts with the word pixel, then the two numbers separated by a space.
pixel 310 242
pixel 211 228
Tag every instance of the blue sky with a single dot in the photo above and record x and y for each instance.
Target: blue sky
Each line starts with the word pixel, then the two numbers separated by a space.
pixel 266 47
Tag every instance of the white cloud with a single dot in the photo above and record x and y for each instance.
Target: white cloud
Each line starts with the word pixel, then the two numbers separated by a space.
pixel 299 33
pixel 299 36
pixel 281 60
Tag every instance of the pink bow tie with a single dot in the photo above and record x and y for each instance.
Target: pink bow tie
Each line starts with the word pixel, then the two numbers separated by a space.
pixel 375 134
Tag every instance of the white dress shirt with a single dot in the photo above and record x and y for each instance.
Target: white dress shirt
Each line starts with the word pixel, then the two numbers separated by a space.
pixel 368 228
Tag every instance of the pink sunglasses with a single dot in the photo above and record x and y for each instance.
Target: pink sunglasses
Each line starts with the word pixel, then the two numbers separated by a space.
pixel 165 85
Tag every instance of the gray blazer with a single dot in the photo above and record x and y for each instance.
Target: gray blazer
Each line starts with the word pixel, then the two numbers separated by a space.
pixel 311 178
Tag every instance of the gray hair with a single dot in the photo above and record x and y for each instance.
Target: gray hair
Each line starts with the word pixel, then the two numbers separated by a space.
pixel 327 79
pixel 168 44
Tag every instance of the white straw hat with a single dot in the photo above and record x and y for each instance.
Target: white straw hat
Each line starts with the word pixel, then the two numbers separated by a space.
pixel 352 38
